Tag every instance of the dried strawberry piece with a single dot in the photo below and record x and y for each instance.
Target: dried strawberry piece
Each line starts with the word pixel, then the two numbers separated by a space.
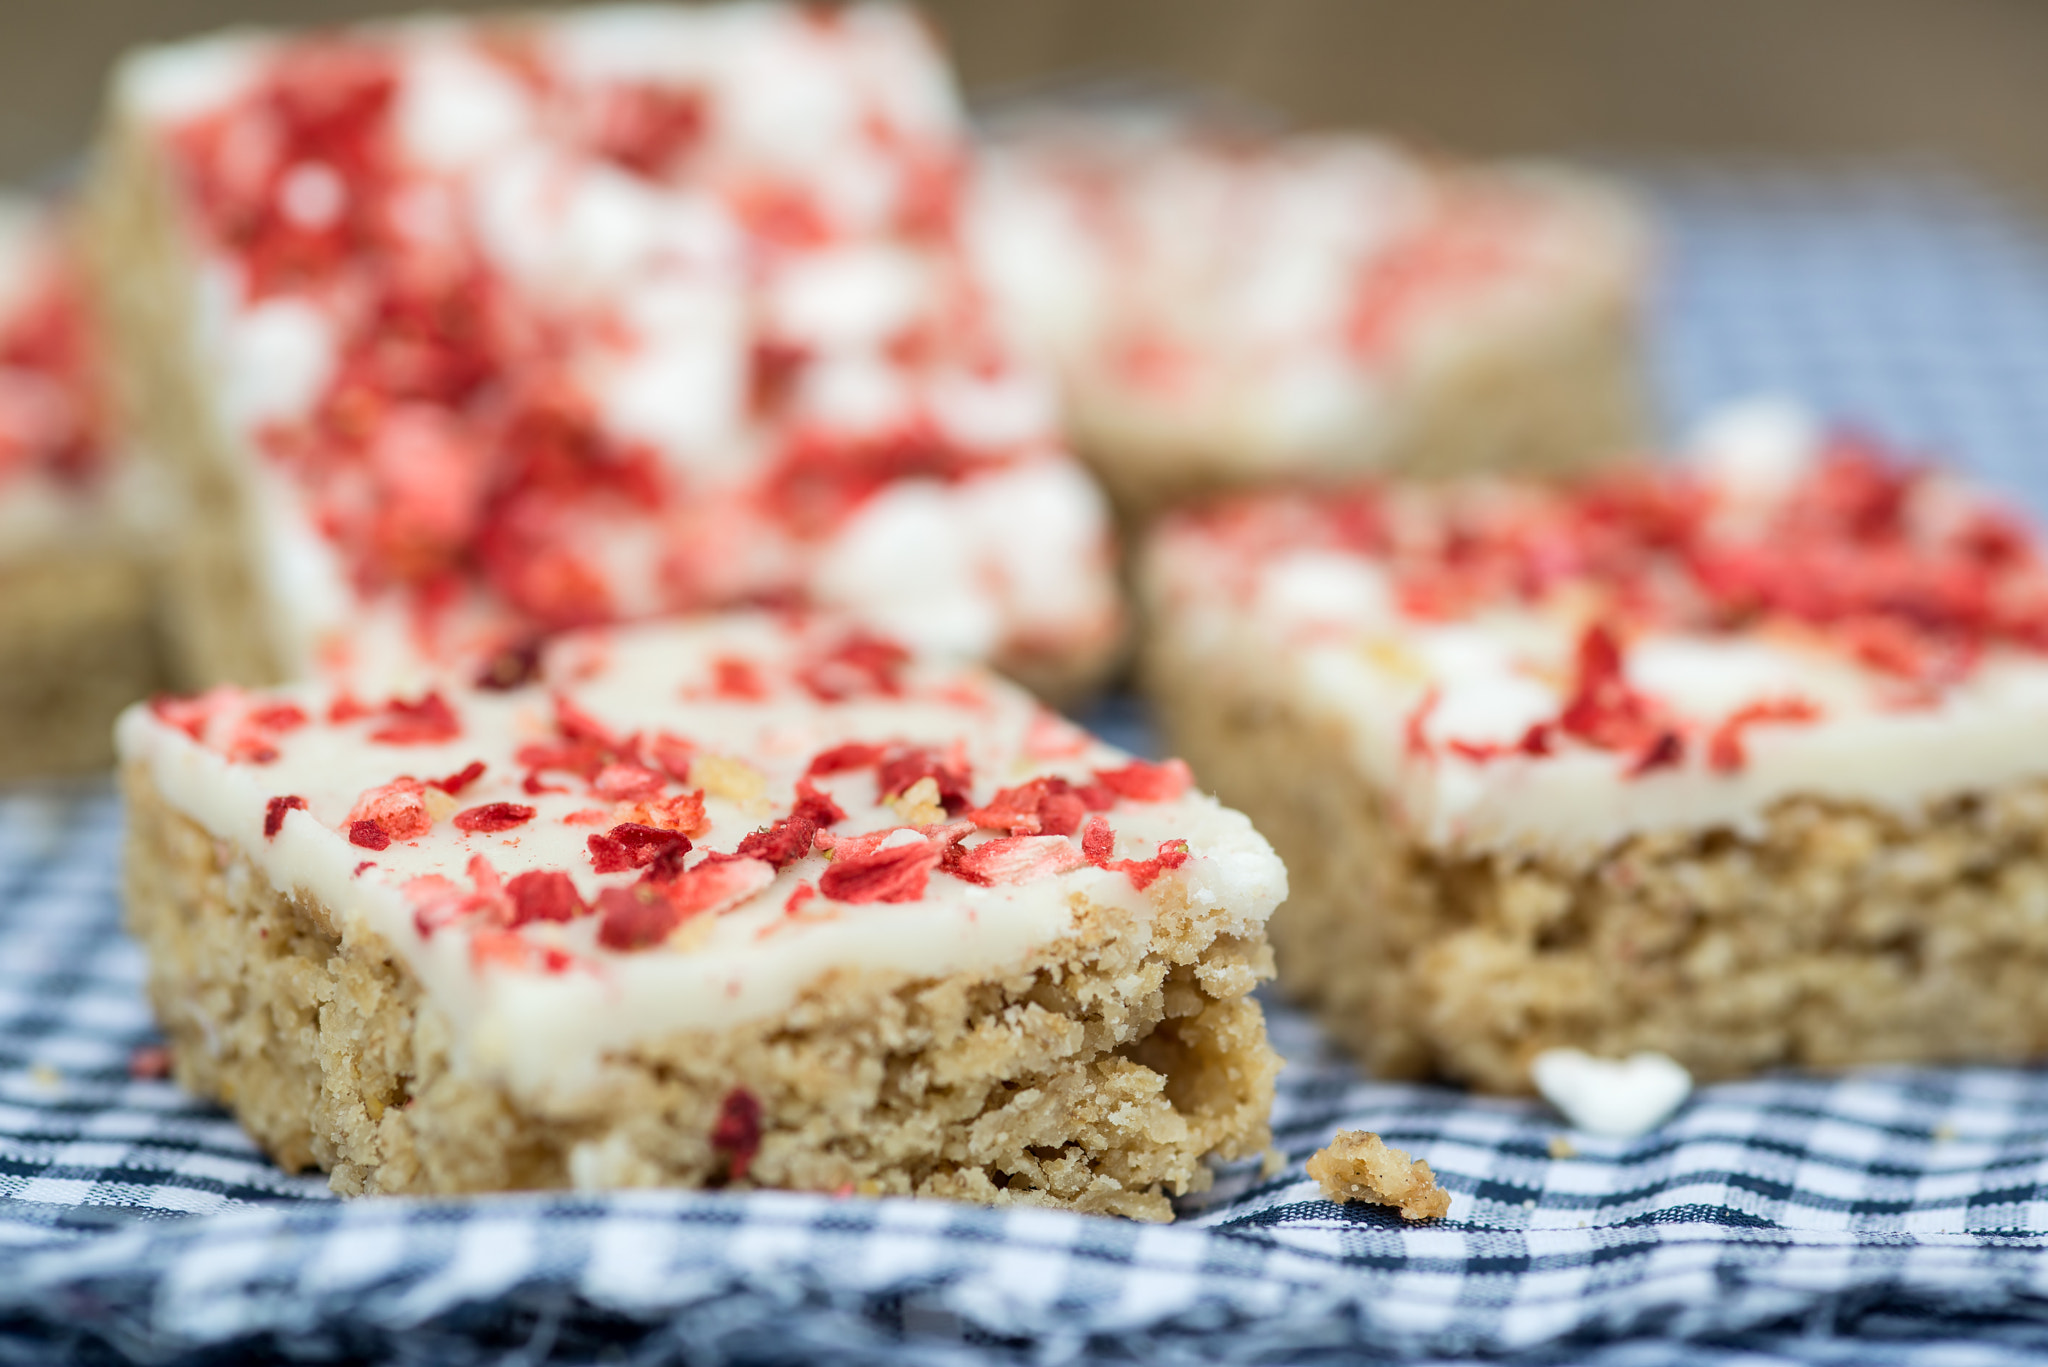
pixel 533 787
pixel 1048 806
pixel 635 917
pixel 1098 842
pixel 803 892
pixel 345 708
pixel 1013 859
pixel 543 895
pixel 862 664
pixel 189 715
pixel 623 782
pixel 905 765
pixel 396 807
pixel 577 725
pixel 717 883
pixel 1144 872
pixel 781 844
pixel 1415 730
pixel 460 779
pixel 250 749
pixel 273 814
pixel 492 817
pixel 1725 754
pixel 683 812
pixel 773 374
pixel 630 845
pixel 673 755
pixel 1666 751
pixel 897 874
pixel 645 126
pixel 577 757
pixel 1144 781
pixel 838 759
pixel 737 680
pixel 424 721
pixel 736 1134
pixel 1603 710
pixel 282 716
pixel 513 667
pixel 815 807
pixel 369 835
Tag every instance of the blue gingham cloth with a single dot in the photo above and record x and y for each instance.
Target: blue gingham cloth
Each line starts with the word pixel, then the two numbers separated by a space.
pixel 1890 1215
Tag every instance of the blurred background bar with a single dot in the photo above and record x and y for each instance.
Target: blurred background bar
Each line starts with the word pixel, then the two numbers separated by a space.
pixel 1956 82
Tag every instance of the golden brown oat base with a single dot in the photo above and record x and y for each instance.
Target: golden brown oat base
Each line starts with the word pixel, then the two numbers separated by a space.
pixel 1564 399
pixel 1835 936
pixel 1100 1076
pixel 1358 1166
pixel 77 644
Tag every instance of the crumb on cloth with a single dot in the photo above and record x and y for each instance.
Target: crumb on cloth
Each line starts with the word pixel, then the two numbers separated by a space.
pixel 1358 1166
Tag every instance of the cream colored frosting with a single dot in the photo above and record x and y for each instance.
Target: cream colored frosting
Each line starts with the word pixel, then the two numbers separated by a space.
pixel 661 292
pixel 1321 628
pixel 544 1032
pixel 1235 264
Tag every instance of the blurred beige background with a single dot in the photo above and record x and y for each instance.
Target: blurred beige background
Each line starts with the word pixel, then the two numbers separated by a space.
pixel 1959 80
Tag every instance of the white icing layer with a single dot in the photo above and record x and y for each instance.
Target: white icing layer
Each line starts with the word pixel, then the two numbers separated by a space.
pixel 1275 302
pixel 542 1030
pixel 1437 710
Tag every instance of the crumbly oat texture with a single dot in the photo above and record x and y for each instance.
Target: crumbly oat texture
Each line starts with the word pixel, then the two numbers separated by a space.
pixel 1358 1166
pixel 1836 934
pixel 1098 1076
pixel 76 646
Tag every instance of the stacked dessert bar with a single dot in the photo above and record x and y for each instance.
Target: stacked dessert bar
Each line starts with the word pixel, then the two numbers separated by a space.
pixel 76 639
pixel 1229 310
pixel 1743 760
pixel 465 333
pixel 751 901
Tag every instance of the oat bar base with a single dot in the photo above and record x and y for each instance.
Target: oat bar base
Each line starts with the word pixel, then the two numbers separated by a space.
pixel 1834 935
pixel 1100 1076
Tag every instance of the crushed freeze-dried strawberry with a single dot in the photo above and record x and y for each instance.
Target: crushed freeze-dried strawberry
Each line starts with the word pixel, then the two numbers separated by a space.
pixel 624 782
pixel 1144 781
pixel 1725 753
pixel 1013 859
pixel 859 665
pixel 672 754
pixel 1049 806
pixel 426 720
pixel 369 835
pixel 397 808
pixel 1144 872
pixel 646 126
pixel 577 725
pixel 904 765
pixel 630 845
pixel 543 895
pixel 838 759
pixel 492 817
pixel 781 844
pixel 736 1134
pixel 514 667
pixel 357 872
pixel 803 892
pixel 149 1063
pixel 454 783
pixel 896 874
pixel 717 883
pixel 189 715
pixel 814 806
pixel 533 787
pixel 737 680
pixel 273 814
pixel 683 812
pixel 279 717
pixel 346 708
pixel 1603 710
pixel 1415 729
pixel 1098 841
pixel 1535 742
pixel 635 917
pixel 1666 751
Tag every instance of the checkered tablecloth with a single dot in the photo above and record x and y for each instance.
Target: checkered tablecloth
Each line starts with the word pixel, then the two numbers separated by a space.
pixel 1887 1216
